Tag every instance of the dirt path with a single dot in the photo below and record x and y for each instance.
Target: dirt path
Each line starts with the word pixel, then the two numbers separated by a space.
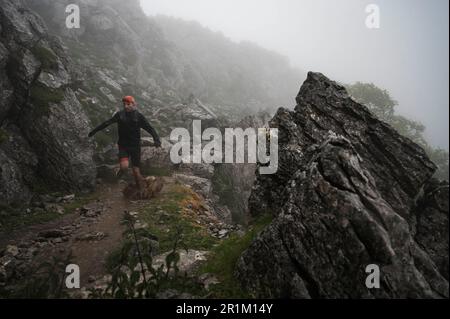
pixel 90 255
pixel 89 234
pixel 92 232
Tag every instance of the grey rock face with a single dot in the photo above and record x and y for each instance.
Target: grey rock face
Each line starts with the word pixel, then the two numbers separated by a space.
pixel 5 85
pixel 12 189
pixel 64 151
pixel 20 153
pixel 156 157
pixel 399 166
pixel 432 223
pixel 344 197
pixel 26 27
pixel 233 182
pixel 43 128
pixel 198 184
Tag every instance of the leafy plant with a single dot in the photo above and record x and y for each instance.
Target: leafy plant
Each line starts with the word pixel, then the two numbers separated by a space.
pixel 133 274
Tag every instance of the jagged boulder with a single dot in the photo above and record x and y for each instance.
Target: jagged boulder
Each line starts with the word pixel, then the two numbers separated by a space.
pixel 399 166
pixel 344 197
pixel 43 126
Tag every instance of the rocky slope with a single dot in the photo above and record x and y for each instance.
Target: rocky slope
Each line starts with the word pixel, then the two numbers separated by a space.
pixel 119 50
pixel 42 125
pixel 350 192
pixel 57 83
pixel 228 73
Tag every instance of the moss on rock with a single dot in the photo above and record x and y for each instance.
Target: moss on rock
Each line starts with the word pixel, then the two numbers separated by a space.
pixel 42 96
pixel 48 59
pixel 3 136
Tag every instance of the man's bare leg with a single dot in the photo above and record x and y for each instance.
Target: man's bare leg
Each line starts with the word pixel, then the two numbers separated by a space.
pixel 138 178
pixel 123 167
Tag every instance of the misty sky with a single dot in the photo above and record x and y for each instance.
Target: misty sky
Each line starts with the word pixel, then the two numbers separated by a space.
pixel 408 55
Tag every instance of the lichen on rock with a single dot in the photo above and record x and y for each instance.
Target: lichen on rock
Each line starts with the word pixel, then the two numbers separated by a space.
pixel 345 197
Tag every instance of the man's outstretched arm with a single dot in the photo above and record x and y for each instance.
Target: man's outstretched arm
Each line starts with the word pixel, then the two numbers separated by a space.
pixel 146 126
pixel 104 125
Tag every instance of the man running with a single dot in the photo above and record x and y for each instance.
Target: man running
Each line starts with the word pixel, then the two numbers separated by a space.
pixel 130 121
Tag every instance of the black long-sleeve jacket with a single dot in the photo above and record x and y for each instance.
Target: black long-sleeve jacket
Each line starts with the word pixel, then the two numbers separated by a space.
pixel 129 124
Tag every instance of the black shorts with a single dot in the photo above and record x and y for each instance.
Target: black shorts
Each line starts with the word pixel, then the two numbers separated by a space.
pixel 132 153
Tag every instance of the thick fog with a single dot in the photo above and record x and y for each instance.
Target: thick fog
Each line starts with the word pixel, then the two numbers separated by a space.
pixel 407 55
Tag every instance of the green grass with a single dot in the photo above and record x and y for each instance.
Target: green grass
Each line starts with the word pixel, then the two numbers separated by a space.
pixel 79 201
pixel 17 218
pixel 222 261
pixel 14 217
pixel 165 217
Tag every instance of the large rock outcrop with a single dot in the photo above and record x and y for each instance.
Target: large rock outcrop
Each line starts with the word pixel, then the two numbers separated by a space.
pixel 349 192
pixel 43 128
pixel 233 182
